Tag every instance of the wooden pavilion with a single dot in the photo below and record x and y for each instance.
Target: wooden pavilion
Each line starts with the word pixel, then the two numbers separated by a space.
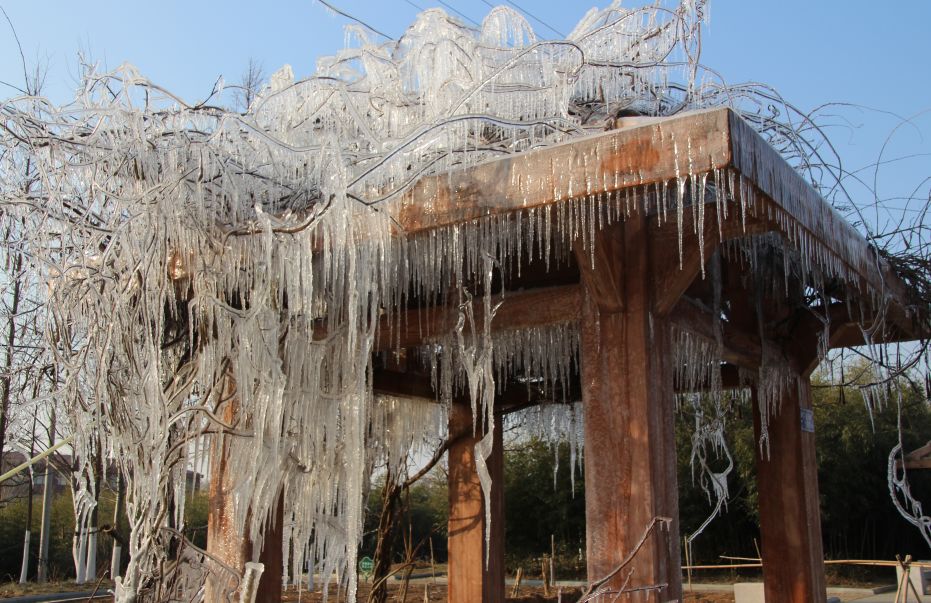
pixel 627 288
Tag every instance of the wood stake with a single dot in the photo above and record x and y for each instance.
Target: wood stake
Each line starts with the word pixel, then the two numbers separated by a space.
pixel 432 562
pixel 688 560
pixel 552 559
pixel 516 590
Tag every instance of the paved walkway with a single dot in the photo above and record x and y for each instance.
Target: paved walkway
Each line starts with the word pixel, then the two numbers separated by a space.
pixel 860 595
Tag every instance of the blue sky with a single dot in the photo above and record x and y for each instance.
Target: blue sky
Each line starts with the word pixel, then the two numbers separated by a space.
pixel 812 52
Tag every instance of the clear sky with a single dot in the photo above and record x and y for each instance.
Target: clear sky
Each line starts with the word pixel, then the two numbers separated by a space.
pixel 874 54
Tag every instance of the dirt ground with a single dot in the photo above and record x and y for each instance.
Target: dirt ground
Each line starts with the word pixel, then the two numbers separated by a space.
pixel 709 597
pixel 421 592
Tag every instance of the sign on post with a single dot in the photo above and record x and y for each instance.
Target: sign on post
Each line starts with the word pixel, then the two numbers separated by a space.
pixel 808 420
pixel 366 565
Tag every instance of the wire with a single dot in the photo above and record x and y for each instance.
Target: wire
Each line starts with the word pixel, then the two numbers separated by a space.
pixel 417 6
pixel 356 19
pixel 534 17
pixel 452 8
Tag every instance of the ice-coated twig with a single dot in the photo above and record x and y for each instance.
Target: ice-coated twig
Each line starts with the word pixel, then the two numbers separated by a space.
pixel 656 523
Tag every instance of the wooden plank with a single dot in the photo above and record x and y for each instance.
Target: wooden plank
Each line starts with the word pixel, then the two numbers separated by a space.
pixel 470 578
pixel 653 152
pixel 810 216
pixel 918 464
pixel 403 384
pixel 630 457
pixel 790 518
pixel 919 453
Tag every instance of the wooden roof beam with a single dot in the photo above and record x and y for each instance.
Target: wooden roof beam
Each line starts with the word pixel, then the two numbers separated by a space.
pixel 658 151
pixel 596 164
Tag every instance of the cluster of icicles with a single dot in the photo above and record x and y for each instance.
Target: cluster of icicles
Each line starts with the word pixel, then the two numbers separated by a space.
pixel 222 280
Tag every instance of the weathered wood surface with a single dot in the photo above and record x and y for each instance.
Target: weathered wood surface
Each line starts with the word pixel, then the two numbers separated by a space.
pixel 653 152
pixel 790 517
pixel 470 579
pixel 630 453
pixel 920 458
pixel 272 557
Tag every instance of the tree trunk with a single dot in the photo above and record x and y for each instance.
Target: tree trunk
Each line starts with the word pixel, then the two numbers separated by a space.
pixel 24 570
pixel 384 542
pixel 47 492
pixel 117 512
pixel 93 527
pixel 6 375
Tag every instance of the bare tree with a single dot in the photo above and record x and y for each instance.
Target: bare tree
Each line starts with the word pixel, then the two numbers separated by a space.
pixel 250 84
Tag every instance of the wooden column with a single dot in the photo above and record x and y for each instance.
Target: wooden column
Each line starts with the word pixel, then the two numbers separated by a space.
pixel 272 556
pixel 223 541
pixel 470 579
pixel 790 518
pixel 630 456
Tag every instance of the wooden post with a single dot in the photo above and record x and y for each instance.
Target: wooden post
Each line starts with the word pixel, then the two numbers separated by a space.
pixel 470 578
pixel 790 519
pixel 223 542
pixel 272 557
pixel 630 456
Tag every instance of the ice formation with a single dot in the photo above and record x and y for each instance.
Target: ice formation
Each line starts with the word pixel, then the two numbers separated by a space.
pixel 218 279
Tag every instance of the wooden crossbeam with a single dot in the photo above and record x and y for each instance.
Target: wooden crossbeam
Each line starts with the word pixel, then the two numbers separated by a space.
pixel 548 306
pixel 518 310
pixel 649 151
pixel 845 331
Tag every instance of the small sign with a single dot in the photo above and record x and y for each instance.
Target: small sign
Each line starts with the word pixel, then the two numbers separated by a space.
pixel 366 565
pixel 808 420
